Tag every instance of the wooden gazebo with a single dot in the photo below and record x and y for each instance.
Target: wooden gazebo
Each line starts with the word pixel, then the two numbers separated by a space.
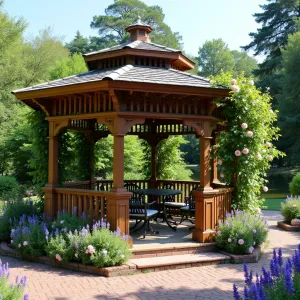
pixel 136 88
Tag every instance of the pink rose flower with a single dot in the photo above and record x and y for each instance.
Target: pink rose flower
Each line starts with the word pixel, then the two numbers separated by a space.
pixel 270 157
pixel 245 150
pixel 25 243
pixel 250 133
pixel 258 210
pixel 58 257
pixel 237 153
pixel 86 251
pixel 91 249
pixel 222 175
pixel 244 125
pixel 265 188
pixel 220 162
pixel 241 241
pixel 233 81
pixel 251 82
pixel 235 88
pixel 268 144
pixel 258 156
pixel 294 205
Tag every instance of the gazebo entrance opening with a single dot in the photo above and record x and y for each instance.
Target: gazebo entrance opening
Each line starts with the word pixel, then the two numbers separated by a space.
pixel 137 88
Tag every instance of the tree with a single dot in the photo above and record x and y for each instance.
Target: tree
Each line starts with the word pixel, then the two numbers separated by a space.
pixel 79 44
pixel 122 13
pixel 289 99
pixel 278 20
pixel 243 63
pixel 74 64
pixel 215 56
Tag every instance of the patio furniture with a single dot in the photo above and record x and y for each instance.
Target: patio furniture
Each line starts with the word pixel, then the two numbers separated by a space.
pixel 188 211
pixel 140 210
pixel 169 200
pixel 160 193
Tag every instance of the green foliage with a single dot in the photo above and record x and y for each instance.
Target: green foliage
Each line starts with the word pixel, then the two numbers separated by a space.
pixel 79 44
pixel 120 14
pixel 246 171
pixel 109 249
pixel 11 212
pixel 243 63
pixel 69 221
pixel 290 209
pixel 295 185
pixel 9 188
pixel 278 20
pixel 74 64
pixel 191 149
pixel 9 291
pixel 215 56
pixel 289 110
pixel 241 232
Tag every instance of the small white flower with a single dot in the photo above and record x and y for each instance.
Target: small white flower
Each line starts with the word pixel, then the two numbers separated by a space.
pixel 11 241
pixel 229 240
pixel 104 251
pixel 19 245
pixel 122 255
pixel 62 222
pixel 254 230
pixel 251 249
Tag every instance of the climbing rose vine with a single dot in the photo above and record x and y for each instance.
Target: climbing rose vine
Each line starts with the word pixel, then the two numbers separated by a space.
pixel 245 147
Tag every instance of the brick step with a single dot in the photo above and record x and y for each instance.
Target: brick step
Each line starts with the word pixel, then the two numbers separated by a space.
pixel 178 261
pixel 169 250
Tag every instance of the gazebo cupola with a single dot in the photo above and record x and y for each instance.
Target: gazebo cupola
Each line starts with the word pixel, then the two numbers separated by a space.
pixel 139 31
pixel 138 51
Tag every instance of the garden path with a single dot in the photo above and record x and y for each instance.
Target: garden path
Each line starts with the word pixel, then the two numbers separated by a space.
pixel 212 282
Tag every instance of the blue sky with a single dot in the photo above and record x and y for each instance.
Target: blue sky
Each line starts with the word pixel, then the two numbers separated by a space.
pixel 196 20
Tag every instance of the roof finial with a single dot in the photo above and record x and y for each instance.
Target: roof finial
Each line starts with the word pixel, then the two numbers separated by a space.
pixel 139 20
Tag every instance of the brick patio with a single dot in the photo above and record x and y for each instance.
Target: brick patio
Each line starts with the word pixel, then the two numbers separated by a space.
pixel 208 282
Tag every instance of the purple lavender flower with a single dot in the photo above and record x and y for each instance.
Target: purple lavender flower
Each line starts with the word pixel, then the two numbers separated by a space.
pixel 275 271
pixel 26 297
pixel 253 292
pixel 247 275
pixel 236 294
pixel 274 256
pixel 288 281
pixel 296 261
pixel 280 261
pixel 246 293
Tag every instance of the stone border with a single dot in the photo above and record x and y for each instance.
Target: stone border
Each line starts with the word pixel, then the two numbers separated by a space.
pixel 126 269
pixel 288 227
pixel 241 258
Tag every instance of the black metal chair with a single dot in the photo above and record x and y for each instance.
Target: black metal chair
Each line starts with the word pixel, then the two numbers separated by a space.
pixel 169 201
pixel 188 211
pixel 140 210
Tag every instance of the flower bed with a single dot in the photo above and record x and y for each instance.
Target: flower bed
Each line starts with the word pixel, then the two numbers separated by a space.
pixel 290 210
pixel 69 239
pixel 281 282
pixel 11 291
pixel 241 232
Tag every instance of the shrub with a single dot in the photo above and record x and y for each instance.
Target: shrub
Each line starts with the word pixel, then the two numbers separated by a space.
pixel 241 232
pixel 295 185
pixel 100 248
pixel 69 221
pixel 281 282
pixel 11 291
pixel 9 188
pixel 290 209
pixel 12 211
pixel 28 235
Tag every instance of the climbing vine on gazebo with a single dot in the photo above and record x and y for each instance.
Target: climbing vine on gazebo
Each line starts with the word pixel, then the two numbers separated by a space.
pixel 245 149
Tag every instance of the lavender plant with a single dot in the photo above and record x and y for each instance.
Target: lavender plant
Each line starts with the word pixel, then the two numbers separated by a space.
pixel 281 282
pixel 290 209
pixel 11 291
pixel 241 232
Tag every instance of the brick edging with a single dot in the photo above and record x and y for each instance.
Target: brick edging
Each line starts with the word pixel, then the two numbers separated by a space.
pixel 241 258
pixel 288 227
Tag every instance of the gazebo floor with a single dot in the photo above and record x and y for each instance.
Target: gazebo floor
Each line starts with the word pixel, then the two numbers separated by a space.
pixel 168 241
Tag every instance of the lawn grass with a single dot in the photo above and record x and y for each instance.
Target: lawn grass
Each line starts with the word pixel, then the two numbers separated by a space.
pixel 273 203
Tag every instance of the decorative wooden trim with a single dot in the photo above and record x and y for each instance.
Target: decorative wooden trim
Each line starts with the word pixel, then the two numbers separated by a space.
pixel 44 109
pixel 202 128
pixel 115 99
pixel 60 125
pixel 211 108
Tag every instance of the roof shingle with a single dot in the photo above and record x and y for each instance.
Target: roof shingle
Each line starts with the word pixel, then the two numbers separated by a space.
pixel 130 73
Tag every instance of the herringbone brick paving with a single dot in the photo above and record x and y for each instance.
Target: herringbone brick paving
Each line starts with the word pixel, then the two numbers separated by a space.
pixel 208 282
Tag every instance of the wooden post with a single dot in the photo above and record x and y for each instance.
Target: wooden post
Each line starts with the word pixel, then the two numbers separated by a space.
pixel 50 202
pixel 214 167
pixel 204 197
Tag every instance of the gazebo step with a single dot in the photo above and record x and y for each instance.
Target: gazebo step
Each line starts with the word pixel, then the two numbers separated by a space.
pixel 179 261
pixel 158 250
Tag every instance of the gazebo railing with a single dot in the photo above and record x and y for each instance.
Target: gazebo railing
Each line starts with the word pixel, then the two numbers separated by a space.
pixel 90 203
pixel 222 203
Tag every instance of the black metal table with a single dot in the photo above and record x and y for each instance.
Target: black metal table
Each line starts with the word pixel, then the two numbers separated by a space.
pixel 160 193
